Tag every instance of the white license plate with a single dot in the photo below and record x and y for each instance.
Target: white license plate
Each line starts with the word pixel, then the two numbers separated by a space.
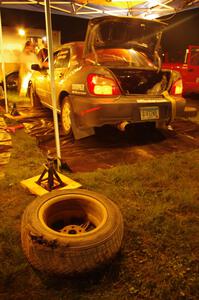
pixel 149 113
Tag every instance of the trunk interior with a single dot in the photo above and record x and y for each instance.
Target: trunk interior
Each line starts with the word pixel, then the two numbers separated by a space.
pixel 136 81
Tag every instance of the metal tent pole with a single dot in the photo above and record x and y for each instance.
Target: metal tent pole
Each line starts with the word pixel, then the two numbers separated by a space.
pixel 3 65
pixel 52 81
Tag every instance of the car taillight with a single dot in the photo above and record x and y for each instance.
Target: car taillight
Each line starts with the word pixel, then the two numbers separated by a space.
pixel 177 87
pixel 102 86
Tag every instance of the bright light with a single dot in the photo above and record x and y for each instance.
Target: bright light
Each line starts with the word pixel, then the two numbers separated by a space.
pixel 44 38
pixel 151 16
pixel 24 84
pixel 120 1
pixel 153 3
pixel 21 32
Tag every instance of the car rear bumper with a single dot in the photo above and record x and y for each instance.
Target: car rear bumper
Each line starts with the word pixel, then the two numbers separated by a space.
pixel 96 112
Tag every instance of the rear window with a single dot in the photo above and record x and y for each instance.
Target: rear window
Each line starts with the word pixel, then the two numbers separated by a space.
pixel 124 32
pixel 61 58
pixel 120 57
pixel 194 57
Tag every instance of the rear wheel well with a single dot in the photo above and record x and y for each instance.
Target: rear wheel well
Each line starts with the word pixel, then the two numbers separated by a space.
pixel 61 97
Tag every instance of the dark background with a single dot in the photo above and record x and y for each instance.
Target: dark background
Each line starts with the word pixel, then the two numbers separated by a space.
pixel 72 28
pixel 182 29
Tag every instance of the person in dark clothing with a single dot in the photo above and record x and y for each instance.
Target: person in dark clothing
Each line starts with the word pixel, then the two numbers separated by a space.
pixel 43 52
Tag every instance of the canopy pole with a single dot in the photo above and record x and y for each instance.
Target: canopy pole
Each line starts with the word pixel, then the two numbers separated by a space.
pixel 52 80
pixel 3 66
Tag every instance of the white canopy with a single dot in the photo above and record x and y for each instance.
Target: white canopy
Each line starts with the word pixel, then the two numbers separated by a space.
pixel 94 8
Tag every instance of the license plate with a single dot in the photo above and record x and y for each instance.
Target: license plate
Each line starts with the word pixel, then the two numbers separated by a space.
pixel 149 113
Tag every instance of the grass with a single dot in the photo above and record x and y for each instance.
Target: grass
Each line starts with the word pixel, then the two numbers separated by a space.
pixel 159 258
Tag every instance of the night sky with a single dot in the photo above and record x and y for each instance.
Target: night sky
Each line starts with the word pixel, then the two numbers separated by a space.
pixel 182 29
pixel 72 28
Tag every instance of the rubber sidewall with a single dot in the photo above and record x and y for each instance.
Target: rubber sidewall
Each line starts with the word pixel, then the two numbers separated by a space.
pixel 47 251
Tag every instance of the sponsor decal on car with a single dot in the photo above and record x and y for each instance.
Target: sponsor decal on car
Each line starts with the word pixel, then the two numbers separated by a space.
pixel 71 73
pixel 78 88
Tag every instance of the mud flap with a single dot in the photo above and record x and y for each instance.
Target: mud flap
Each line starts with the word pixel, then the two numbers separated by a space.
pixel 82 133
pixel 173 104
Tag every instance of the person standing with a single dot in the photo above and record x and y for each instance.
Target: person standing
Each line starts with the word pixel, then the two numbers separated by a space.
pixel 43 52
pixel 27 58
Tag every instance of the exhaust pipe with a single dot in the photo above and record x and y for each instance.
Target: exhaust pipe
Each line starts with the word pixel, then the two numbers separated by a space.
pixel 121 126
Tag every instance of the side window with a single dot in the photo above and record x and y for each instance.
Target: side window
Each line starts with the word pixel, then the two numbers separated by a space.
pixel 194 59
pixel 61 58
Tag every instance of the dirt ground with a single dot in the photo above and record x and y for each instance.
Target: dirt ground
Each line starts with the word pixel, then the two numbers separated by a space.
pixel 110 147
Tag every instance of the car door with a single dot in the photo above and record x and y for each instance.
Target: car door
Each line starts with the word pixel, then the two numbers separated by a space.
pixel 61 66
pixel 43 85
pixel 192 80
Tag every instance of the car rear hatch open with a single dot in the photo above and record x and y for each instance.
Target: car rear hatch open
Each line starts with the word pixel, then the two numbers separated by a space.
pixel 129 48
pixel 124 32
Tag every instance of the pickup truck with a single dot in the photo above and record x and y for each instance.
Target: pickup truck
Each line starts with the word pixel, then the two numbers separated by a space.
pixel 189 70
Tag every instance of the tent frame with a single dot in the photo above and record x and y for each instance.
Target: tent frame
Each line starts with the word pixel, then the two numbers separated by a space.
pixel 51 74
pixel 88 9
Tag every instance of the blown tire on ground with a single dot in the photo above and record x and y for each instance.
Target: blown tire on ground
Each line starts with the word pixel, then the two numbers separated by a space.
pixel 66 117
pixel 72 231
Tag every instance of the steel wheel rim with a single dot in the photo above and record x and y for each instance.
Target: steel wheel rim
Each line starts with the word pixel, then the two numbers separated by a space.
pixel 66 117
pixel 72 216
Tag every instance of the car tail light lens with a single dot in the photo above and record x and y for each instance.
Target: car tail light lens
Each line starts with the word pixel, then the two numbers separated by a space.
pixel 102 86
pixel 177 87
